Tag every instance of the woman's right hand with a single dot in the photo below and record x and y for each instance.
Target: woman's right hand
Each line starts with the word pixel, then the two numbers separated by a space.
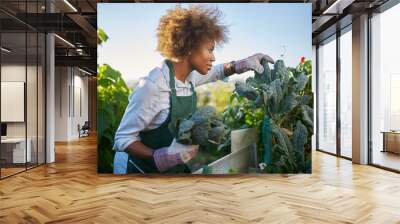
pixel 173 155
pixel 252 63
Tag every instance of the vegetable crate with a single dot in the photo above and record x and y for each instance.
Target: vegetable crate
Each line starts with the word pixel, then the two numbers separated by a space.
pixel 242 157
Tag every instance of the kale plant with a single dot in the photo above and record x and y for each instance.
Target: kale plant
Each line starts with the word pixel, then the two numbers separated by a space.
pixel 279 103
pixel 203 127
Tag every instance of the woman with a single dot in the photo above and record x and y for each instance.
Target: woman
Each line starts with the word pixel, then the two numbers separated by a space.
pixel 145 140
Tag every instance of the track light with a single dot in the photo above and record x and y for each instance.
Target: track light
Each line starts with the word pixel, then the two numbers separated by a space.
pixel 84 71
pixel 5 49
pixel 70 5
pixel 337 7
pixel 64 40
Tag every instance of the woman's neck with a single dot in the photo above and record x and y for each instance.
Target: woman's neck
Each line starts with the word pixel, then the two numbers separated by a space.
pixel 182 69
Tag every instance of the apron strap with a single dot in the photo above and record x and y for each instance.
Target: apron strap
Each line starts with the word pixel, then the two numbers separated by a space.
pixel 192 87
pixel 171 77
pixel 194 96
pixel 173 89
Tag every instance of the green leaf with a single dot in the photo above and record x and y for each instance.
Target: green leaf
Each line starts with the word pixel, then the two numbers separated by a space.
pixel 307 113
pixel 281 70
pixel 301 80
pixel 264 77
pixel 288 103
pixel 245 90
pixel 299 140
pixel 101 36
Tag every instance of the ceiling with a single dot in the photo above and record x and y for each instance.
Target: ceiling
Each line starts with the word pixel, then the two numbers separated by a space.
pixel 332 15
pixel 76 22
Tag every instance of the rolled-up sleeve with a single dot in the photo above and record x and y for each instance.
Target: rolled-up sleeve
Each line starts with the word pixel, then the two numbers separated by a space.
pixel 141 109
pixel 216 73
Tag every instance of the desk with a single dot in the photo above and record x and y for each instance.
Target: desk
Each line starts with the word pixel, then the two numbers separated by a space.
pixel 391 141
pixel 13 150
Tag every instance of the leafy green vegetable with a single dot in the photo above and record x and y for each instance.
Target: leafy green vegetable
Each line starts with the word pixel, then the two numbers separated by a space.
pixel 246 90
pixel 299 140
pixel 279 102
pixel 203 127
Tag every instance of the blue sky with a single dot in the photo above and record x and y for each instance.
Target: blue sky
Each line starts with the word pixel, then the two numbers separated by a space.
pixel 273 29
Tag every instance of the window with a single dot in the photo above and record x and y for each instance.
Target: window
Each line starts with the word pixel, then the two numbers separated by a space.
pixel 346 92
pixel 23 91
pixel 327 96
pixel 385 88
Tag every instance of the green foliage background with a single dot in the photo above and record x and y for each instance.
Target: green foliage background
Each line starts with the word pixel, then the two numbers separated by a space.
pixel 112 99
pixel 215 94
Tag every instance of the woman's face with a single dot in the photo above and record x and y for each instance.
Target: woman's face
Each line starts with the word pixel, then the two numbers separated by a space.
pixel 202 57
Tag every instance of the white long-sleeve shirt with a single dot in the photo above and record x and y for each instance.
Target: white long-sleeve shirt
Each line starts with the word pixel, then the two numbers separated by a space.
pixel 149 104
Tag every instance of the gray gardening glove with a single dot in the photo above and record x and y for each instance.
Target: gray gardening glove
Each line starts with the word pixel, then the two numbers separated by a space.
pixel 252 63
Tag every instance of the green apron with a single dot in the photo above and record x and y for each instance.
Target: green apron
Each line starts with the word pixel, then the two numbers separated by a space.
pixel 180 107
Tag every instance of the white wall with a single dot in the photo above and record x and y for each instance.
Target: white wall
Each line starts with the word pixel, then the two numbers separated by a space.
pixel 33 127
pixel 61 103
pixel 80 94
pixel 12 73
pixel 70 83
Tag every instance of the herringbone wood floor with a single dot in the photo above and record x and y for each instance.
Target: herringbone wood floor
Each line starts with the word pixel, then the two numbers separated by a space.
pixel 70 191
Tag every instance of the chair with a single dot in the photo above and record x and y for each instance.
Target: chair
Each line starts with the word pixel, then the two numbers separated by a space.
pixel 84 130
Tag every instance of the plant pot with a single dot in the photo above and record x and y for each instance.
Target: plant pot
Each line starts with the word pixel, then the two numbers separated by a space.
pixel 242 157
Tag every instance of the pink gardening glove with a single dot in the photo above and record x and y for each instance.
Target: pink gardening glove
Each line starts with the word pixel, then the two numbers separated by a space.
pixel 252 63
pixel 173 155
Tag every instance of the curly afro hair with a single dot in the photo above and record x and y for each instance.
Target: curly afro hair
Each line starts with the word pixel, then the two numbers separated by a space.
pixel 181 30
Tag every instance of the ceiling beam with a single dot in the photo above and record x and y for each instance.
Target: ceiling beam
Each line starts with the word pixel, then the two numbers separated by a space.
pixel 319 23
pixel 338 6
pixel 81 61
pixel 86 26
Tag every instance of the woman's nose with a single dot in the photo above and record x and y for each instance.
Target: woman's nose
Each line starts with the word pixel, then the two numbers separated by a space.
pixel 212 58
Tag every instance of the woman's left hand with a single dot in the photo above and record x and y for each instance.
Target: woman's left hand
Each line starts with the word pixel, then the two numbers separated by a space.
pixel 252 63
